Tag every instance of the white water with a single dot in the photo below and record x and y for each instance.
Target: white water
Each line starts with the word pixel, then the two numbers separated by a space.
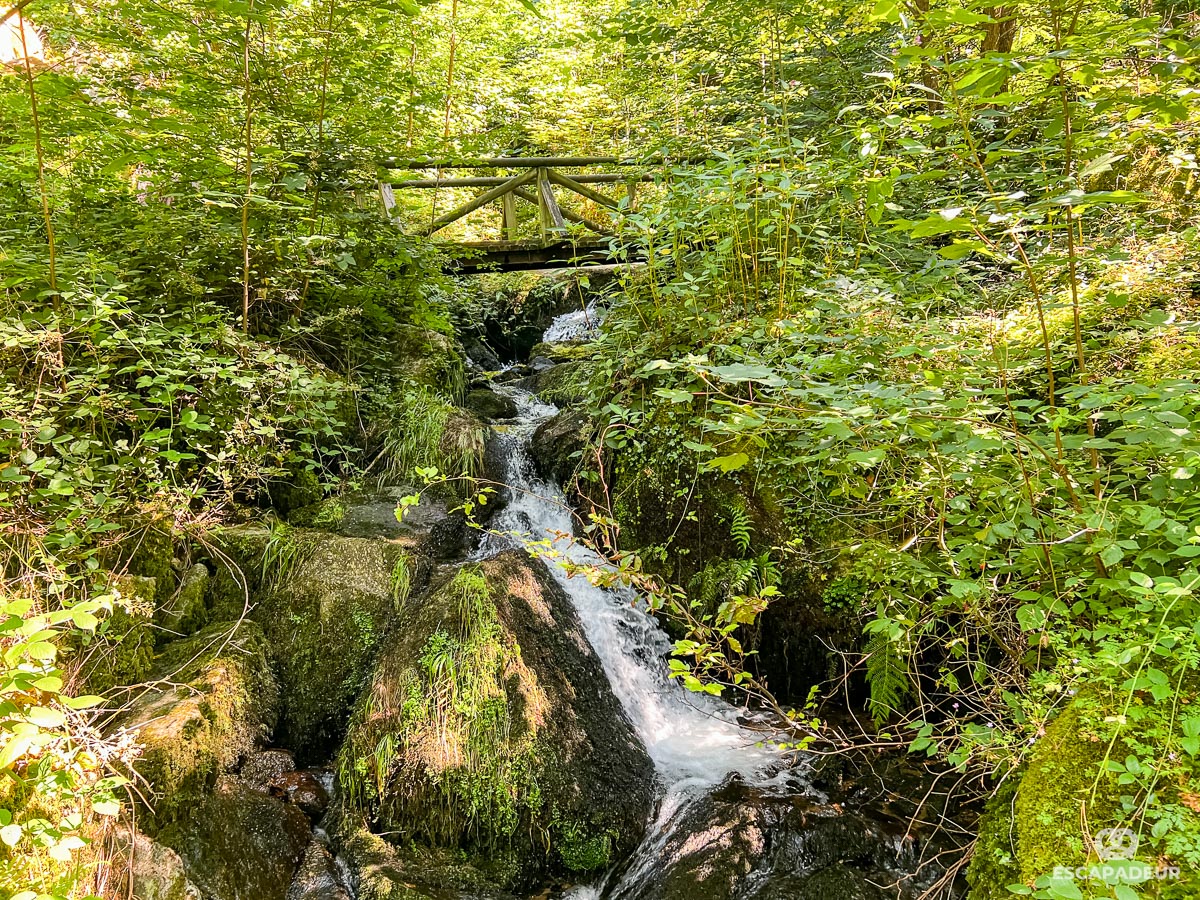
pixel 580 325
pixel 693 739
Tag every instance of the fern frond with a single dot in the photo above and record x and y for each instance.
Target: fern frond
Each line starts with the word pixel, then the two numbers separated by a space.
pixel 887 676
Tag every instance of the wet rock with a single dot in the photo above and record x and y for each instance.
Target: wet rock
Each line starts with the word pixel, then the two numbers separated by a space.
pixel 317 877
pixel 489 405
pixel 147 870
pixel 260 770
pixel 481 354
pixel 214 699
pixel 557 443
pixel 745 843
pixel 324 620
pixel 185 613
pixel 238 844
pixel 502 726
pixel 304 790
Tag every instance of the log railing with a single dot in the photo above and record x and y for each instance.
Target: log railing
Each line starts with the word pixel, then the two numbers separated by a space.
pixel 534 183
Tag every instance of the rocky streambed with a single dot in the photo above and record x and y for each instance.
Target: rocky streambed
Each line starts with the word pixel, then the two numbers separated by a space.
pixel 365 708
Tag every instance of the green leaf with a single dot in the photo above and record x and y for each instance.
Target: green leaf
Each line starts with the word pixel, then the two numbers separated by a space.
pixel 729 463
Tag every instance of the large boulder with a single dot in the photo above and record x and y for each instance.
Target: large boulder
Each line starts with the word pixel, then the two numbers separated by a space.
pixel 211 701
pixel 489 727
pixel 324 616
pixel 558 442
pixel 239 844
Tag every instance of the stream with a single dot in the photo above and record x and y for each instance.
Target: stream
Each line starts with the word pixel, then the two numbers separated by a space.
pixel 693 739
pixel 725 796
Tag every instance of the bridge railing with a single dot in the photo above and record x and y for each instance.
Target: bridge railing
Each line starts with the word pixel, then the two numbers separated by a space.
pixel 534 183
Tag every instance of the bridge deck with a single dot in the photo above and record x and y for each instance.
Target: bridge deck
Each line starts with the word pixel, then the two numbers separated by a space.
pixel 519 256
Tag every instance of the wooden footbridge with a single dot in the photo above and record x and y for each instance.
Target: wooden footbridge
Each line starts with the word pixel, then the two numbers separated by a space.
pixel 532 180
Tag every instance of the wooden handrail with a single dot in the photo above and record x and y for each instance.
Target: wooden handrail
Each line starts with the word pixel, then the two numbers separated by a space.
pixel 534 162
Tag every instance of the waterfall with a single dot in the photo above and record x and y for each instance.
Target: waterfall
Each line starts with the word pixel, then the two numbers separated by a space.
pixel 694 740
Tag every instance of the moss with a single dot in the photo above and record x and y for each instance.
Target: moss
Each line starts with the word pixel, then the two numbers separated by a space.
pixel 1057 783
pixel 122 651
pixel 326 515
pixel 324 621
pixel 236 554
pixel 994 863
pixel 153 548
pixel 299 489
pixel 385 871
pixel 185 613
pixel 564 383
pixel 214 701
pixel 237 842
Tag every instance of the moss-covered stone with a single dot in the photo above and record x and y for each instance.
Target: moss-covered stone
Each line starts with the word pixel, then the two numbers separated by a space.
pixel 185 612
pixel 384 871
pixel 122 649
pixel 429 358
pixel 489 727
pixel 1062 769
pixel 151 550
pixel 562 384
pixel 214 699
pixel 324 620
pixel 147 870
pixel 489 405
pixel 558 443
pixel 300 488
pixel 326 515
pixel 237 555
pixel 238 844
pixel 994 863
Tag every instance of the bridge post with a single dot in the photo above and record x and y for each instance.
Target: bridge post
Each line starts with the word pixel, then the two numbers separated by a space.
pixel 510 216
pixel 550 217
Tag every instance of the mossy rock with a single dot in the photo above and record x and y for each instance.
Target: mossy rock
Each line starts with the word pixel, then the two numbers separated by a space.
pixel 324 620
pixel 148 870
pixel 185 612
pixel 152 551
pixel 238 844
pixel 214 700
pixel 994 863
pixel 489 727
pixel 122 650
pixel 563 352
pixel 487 404
pixel 236 555
pixel 1062 769
pixel 429 358
pixel 562 384
pixel 300 488
pixel 558 442
pixel 385 871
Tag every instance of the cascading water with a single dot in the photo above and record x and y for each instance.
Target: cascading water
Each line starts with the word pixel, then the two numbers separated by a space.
pixel 694 740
